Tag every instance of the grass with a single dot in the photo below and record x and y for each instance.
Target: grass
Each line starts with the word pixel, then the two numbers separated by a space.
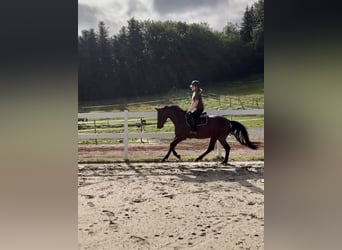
pixel 117 127
pixel 248 92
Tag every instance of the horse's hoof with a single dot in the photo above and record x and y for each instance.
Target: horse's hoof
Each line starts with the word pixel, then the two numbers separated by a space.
pixel 178 157
pixel 227 164
pixel 163 160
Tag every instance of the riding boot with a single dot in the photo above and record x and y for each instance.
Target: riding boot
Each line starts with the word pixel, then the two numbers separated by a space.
pixel 193 125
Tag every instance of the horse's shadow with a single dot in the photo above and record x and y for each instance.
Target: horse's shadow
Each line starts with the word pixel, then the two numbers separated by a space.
pixel 229 173
pixel 202 173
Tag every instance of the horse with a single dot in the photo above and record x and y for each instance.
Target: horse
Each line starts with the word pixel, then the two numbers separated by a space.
pixel 216 128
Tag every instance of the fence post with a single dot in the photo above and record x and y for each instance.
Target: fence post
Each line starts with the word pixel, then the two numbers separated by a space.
pixel 141 128
pixel 125 135
pixel 218 146
pixel 95 131
pixel 219 151
pixel 241 103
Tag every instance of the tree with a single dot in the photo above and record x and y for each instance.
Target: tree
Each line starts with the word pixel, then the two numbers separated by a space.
pixel 149 57
pixel 247 25
pixel 258 29
pixel 121 78
pixel 88 64
pixel 105 70
pixel 231 31
pixel 135 57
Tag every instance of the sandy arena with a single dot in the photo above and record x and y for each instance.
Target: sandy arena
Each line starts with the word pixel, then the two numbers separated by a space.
pixel 175 205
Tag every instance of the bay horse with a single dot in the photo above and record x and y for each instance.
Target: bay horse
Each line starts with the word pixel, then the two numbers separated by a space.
pixel 217 128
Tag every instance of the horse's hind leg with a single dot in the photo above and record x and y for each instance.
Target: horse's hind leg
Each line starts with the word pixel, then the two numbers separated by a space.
pixel 210 148
pixel 173 144
pixel 226 148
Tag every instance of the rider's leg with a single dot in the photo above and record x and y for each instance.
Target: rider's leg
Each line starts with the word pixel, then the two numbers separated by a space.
pixel 196 114
pixel 191 121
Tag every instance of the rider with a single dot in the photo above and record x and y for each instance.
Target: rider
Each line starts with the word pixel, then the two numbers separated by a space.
pixel 196 107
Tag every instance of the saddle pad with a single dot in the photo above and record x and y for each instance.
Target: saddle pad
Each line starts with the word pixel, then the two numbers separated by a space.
pixel 202 120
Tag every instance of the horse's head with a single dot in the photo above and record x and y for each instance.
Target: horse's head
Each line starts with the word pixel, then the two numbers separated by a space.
pixel 161 116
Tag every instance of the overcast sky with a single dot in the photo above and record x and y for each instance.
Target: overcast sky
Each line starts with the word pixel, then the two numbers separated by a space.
pixel 115 13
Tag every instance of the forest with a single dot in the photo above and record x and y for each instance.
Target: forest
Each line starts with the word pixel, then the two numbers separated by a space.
pixel 152 57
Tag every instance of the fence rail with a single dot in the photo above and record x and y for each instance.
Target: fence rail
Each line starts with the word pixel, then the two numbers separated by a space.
pixel 159 135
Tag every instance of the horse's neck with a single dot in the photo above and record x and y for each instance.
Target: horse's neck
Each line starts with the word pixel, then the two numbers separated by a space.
pixel 177 117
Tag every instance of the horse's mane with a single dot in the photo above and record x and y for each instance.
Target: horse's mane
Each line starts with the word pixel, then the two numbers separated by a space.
pixel 174 106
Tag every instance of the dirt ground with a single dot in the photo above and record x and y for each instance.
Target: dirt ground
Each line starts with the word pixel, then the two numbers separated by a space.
pixel 175 205
pixel 189 148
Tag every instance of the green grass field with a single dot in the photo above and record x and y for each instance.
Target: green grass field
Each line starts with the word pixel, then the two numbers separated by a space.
pixel 245 94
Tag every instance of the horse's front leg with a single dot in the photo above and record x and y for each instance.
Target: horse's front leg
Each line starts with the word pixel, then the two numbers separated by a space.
pixel 175 154
pixel 173 144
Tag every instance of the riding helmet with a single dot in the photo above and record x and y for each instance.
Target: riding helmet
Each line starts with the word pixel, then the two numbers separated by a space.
pixel 194 83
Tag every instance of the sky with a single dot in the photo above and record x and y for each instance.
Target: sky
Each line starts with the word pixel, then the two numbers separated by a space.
pixel 115 13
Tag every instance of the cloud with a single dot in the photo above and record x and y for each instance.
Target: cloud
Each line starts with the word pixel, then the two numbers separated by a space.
pixel 135 7
pixel 87 15
pixel 115 13
pixel 90 14
pixel 167 6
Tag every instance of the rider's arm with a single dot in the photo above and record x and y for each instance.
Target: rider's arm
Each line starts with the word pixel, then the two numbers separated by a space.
pixel 194 103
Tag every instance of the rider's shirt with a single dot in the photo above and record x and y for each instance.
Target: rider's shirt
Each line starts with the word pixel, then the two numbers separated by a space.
pixel 196 102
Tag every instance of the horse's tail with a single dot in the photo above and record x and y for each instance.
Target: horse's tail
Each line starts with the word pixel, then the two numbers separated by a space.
pixel 241 134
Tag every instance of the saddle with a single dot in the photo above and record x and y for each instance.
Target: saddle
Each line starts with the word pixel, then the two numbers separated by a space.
pixel 201 120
